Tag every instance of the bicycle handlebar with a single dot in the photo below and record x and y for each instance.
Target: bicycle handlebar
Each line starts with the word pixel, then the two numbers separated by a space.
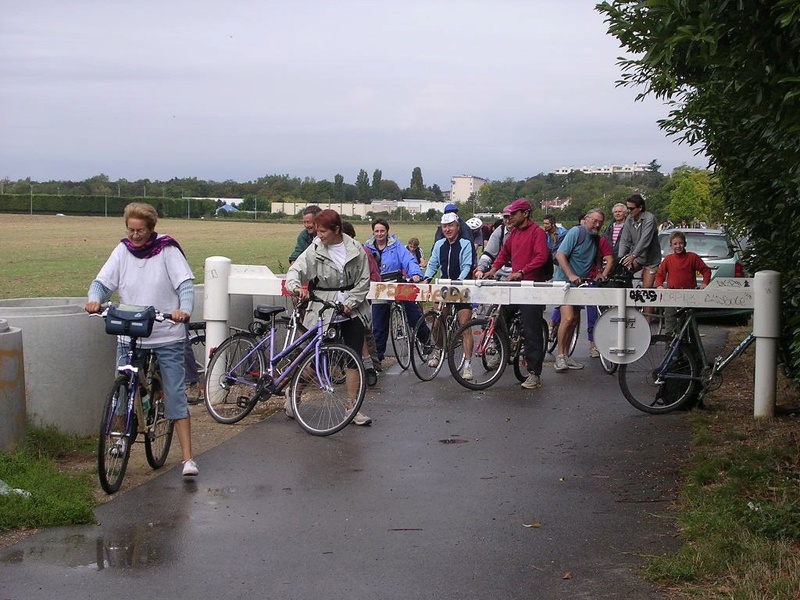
pixel 160 316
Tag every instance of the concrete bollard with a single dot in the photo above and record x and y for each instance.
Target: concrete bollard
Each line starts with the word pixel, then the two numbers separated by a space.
pixel 767 330
pixel 12 389
pixel 69 362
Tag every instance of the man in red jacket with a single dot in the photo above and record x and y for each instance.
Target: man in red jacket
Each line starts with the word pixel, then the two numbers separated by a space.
pixel 526 249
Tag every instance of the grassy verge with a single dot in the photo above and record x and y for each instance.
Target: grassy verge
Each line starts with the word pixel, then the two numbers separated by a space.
pixel 739 509
pixel 58 496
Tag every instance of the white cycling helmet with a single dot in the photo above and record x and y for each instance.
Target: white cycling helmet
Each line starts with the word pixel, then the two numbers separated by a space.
pixel 474 223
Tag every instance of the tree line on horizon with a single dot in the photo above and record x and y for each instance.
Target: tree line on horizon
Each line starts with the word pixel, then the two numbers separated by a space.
pixel 687 193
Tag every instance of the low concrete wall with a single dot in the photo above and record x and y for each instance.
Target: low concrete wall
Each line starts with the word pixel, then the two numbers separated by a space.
pixel 69 358
pixel 12 389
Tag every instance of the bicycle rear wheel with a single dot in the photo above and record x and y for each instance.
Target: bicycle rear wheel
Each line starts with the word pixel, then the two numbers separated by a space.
pixel 401 335
pixel 489 354
pixel 158 438
pixel 637 379
pixel 117 435
pixel 429 341
pixel 232 378
pixel 327 393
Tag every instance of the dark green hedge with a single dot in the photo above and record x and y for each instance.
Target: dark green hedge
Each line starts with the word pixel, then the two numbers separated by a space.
pixel 111 206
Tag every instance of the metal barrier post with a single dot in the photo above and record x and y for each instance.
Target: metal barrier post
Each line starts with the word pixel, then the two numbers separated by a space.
pixel 216 301
pixel 767 330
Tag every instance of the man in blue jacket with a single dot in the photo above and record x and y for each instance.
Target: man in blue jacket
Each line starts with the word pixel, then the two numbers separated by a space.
pixel 453 256
pixel 464 231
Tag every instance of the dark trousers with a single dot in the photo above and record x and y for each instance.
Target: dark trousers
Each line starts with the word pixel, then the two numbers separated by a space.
pixel 532 336
pixel 380 322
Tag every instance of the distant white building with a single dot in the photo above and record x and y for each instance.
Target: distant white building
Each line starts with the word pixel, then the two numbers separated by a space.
pixel 348 209
pixel 463 186
pixel 624 170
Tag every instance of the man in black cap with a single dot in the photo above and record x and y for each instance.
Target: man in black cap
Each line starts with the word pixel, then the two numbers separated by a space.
pixel 464 232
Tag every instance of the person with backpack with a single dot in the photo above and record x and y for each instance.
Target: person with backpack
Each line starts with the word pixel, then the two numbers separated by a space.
pixel 526 249
pixel 495 243
pixel 555 234
pixel 575 255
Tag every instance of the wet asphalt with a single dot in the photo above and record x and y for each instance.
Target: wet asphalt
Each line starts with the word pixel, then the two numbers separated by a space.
pixel 506 493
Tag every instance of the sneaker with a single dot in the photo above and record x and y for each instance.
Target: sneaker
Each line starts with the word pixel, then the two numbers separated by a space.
pixel 287 405
pixel 573 364
pixel 594 352
pixel 190 468
pixel 377 364
pixel 372 377
pixel 466 373
pixel 533 382
pixel 361 419
pixel 194 393
pixel 433 361
pixel 561 364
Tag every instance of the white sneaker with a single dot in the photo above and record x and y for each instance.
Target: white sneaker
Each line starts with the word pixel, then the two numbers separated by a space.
pixel 573 364
pixel 190 468
pixel 287 405
pixel 433 362
pixel 466 373
pixel 533 382
pixel 594 352
pixel 561 364
pixel 361 419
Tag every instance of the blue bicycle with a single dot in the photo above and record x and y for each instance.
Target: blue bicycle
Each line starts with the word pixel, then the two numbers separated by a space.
pixel 326 379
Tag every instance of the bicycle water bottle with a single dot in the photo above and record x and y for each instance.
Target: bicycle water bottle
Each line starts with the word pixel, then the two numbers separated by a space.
pixel 145 400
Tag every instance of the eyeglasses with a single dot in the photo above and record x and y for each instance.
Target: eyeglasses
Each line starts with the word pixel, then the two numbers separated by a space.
pixel 631 207
pixel 140 232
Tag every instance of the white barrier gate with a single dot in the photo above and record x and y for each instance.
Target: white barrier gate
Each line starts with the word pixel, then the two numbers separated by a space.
pixel 761 293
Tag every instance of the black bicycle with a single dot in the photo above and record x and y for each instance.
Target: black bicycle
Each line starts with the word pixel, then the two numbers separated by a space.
pixel 135 402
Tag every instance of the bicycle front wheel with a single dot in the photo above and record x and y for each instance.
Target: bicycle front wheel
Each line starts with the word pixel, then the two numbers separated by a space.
pixel 401 335
pixel 158 438
pixel 232 379
pixel 428 348
pixel 608 366
pixel 518 359
pixel 637 380
pixel 487 346
pixel 117 435
pixel 327 391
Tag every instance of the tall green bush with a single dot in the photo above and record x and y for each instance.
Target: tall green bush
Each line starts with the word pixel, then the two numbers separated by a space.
pixel 730 71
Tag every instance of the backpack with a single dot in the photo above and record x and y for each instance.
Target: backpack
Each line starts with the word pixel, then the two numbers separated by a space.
pixel 549 267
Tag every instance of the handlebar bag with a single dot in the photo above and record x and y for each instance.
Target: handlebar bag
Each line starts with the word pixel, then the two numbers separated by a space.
pixel 126 319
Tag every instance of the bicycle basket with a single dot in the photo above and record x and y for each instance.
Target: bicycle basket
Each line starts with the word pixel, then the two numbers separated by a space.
pixel 130 320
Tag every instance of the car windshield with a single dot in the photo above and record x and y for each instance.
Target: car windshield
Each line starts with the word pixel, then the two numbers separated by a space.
pixel 706 245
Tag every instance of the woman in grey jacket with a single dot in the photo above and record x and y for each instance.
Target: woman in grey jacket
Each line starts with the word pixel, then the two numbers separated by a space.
pixel 339 270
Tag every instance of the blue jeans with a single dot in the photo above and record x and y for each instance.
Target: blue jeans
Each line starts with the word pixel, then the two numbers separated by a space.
pixel 171 363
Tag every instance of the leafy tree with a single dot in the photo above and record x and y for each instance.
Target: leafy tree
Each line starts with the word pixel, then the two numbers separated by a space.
pixel 690 199
pixel 376 183
pixel 417 187
pixel 436 192
pixel 362 183
pixel 730 73
pixel 338 186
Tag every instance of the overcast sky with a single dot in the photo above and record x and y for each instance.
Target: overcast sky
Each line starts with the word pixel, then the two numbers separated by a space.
pixel 245 88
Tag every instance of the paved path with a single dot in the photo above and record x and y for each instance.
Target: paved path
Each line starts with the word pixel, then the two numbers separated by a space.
pixel 432 501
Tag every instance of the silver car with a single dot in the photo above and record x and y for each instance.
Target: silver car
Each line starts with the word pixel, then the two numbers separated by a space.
pixel 714 246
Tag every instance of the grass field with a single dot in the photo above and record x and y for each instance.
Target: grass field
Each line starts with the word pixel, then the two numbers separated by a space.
pixel 45 256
